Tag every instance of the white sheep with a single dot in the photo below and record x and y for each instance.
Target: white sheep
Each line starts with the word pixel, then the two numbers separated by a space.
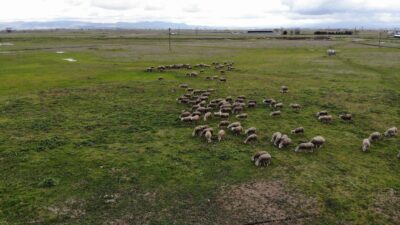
pixel 223 123
pixel 318 141
pixel 284 142
pixel 237 130
pixel 251 130
pixel 242 116
pixel 252 137
pixel 298 130
pixel 325 118
pixel 284 89
pixel 263 160
pixel 208 136
pixel 275 113
pixel 391 132
pixel 366 144
pixel 276 137
pixel 258 154
pixel 235 124
pixel 221 135
pixel 197 130
pixel 195 118
pixel 207 116
pixel 346 116
pixel 295 106
pixel 307 147
pixel 322 113
pixel 375 136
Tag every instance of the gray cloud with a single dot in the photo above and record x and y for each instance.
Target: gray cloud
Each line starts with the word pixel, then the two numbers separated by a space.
pixel 115 4
pixel 193 8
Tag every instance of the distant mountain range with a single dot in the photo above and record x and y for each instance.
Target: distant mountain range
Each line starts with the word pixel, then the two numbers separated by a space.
pixel 88 25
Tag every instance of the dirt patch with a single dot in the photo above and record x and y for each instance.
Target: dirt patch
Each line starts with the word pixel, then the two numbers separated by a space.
pixel 266 203
pixel 387 205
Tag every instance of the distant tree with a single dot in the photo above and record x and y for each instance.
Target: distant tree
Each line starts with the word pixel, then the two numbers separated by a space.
pixel 284 32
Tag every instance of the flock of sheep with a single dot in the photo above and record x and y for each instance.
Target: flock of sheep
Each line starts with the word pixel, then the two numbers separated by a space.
pixel 201 107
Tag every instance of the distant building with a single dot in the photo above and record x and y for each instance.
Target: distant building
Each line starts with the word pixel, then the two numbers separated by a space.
pixel 396 35
pixel 9 29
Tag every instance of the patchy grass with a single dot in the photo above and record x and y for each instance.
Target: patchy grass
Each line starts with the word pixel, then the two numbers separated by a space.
pixel 99 141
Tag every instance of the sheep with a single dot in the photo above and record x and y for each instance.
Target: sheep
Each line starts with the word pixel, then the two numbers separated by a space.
pixel 277 105
pixel 308 147
pixel 224 115
pixel 221 135
pixel 183 86
pixel 208 136
pixel 195 118
pixel 257 155
pixel 235 124
pixel 268 102
pixel 284 89
pixel 242 116
pixel 237 130
pixel 284 142
pixel 298 130
pixel 222 79
pixel 184 114
pixel 275 113
pixel 161 78
pixel 276 137
pixel 263 160
pixel 197 130
pixel 226 109
pixel 325 119
pixel 229 99
pixel 322 113
pixel 318 141
pixel 391 132
pixel 375 136
pixel 237 109
pixel 252 105
pixel 346 116
pixel 223 123
pixel 366 144
pixel 196 113
pixel 207 116
pixel 250 131
pixel 331 52
pixel 186 119
pixel 295 106
pixel 398 155
pixel 252 137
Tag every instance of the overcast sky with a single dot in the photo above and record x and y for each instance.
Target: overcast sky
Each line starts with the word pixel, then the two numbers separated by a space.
pixel 224 13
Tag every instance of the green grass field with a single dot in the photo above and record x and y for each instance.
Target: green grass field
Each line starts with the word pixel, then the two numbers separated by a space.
pixel 99 141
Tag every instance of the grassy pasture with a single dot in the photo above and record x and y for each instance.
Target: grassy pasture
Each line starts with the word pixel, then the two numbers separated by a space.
pixel 98 141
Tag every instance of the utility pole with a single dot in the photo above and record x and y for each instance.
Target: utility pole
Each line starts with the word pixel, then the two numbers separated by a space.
pixel 169 38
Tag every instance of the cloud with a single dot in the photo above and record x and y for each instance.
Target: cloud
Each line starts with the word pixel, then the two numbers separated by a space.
pixel 115 4
pixel 153 7
pixel 192 8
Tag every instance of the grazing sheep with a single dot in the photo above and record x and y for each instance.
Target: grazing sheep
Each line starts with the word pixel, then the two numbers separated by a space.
pixel 295 106
pixel 235 124
pixel 222 79
pixel 306 147
pixel 223 123
pixel 257 155
pixel 183 86
pixel 275 113
pixel 186 119
pixel 284 89
pixel 221 135
pixel 250 131
pixel 346 116
pixel 237 109
pixel 252 137
pixel 208 136
pixel 226 109
pixel 224 115
pixel 268 102
pixel 195 118
pixel 276 137
pixel 207 116
pixel 237 130
pixel 184 114
pixel 375 136
pixel 252 105
pixel 391 132
pixel 322 113
pixel 398 155
pixel 277 105
pixel 366 144
pixel 263 160
pixel 325 119
pixel 161 78
pixel 197 130
pixel 331 52
pixel 196 113
pixel 284 142
pixel 318 141
pixel 298 130
pixel 242 116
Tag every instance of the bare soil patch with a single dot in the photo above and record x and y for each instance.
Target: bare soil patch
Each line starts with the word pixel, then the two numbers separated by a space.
pixel 266 202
